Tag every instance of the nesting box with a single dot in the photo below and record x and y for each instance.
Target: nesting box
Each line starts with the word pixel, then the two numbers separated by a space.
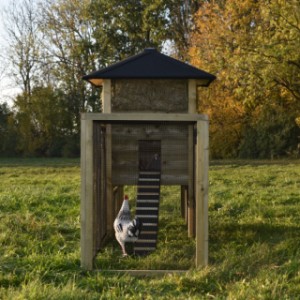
pixel 149 125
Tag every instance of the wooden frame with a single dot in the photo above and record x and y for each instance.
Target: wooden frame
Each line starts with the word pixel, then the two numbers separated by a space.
pixel 199 186
pixel 143 117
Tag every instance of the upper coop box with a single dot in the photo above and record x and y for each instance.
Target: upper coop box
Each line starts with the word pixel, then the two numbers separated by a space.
pixel 149 82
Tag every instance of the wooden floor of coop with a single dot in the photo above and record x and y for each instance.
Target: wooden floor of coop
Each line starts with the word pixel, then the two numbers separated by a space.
pixel 147 209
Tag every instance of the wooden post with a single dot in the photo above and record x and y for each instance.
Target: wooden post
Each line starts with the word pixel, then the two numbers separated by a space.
pixel 183 197
pixel 106 108
pixel 192 94
pixel 87 197
pixel 192 109
pixel 202 165
pixel 106 96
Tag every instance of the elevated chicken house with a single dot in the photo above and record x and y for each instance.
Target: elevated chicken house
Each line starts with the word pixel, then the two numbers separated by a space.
pixel 149 134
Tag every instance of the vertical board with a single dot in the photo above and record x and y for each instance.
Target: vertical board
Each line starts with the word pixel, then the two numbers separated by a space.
pixel 192 90
pixel 87 205
pixel 106 96
pixel 191 217
pixel 106 108
pixel 202 165
pixel 100 204
pixel 191 193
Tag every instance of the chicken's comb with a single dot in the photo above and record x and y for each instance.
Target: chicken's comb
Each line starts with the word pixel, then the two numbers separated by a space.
pixel 126 197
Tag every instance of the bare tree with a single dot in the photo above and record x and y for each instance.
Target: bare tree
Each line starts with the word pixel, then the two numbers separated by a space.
pixel 23 47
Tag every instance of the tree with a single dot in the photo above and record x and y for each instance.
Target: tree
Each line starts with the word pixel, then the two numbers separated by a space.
pixel 23 42
pixel 252 47
pixel 8 132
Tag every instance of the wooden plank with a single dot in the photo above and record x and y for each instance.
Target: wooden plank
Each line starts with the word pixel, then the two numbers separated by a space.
pixel 109 183
pixel 190 194
pixel 192 95
pixel 202 164
pixel 123 178
pixel 100 210
pixel 86 204
pixel 170 133
pixel 144 117
pixel 106 108
pixel 106 96
pixel 146 273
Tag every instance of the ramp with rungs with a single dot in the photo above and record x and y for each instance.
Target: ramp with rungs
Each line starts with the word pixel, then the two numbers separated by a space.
pixel 147 208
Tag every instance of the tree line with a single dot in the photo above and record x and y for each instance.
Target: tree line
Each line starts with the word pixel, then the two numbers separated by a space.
pixel 252 48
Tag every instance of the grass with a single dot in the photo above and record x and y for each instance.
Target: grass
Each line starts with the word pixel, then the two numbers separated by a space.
pixel 254 237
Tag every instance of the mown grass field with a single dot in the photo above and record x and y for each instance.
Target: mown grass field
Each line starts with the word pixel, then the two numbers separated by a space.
pixel 254 218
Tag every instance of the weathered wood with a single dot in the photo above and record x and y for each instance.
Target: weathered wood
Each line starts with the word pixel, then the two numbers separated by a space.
pixel 144 117
pixel 100 204
pixel 155 95
pixel 109 183
pixel 191 195
pixel 174 151
pixel 170 132
pixel 106 96
pixel 202 165
pixel 106 108
pixel 183 200
pixel 146 273
pixel 87 198
pixel 192 92
pixel 123 178
pixel 99 211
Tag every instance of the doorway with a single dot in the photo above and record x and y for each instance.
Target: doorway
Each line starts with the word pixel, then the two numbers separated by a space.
pixel 149 155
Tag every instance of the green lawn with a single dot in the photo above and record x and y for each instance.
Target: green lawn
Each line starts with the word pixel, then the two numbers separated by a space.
pixel 254 250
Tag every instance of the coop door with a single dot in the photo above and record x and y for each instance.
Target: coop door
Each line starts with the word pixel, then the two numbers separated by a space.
pixel 149 155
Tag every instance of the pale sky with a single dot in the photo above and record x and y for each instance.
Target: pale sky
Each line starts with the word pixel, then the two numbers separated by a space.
pixel 7 86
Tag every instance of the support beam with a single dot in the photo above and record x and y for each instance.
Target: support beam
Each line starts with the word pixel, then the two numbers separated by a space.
pixel 202 165
pixel 143 117
pixel 106 109
pixel 183 202
pixel 192 95
pixel 106 96
pixel 190 191
pixel 87 197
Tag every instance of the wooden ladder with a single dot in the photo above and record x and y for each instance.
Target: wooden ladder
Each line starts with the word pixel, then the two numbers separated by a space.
pixel 147 208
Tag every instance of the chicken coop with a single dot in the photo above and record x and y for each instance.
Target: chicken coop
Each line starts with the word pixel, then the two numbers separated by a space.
pixel 148 134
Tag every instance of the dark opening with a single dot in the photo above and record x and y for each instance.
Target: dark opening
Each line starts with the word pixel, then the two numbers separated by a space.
pixel 149 155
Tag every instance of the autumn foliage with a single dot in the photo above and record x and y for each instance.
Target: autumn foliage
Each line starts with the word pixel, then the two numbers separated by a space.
pixel 253 48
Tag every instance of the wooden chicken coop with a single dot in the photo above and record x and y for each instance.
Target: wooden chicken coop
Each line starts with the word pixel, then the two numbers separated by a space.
pixel 149 125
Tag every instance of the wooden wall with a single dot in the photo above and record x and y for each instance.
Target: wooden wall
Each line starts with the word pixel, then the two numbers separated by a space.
pixel 174 152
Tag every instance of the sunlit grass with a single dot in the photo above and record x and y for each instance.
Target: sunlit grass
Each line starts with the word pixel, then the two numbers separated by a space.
pixel 254 218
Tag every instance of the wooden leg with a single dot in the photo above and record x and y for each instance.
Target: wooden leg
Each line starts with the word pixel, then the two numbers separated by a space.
pixel 202 165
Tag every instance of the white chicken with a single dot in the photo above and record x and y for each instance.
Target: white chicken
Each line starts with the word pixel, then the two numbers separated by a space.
pixel 126 230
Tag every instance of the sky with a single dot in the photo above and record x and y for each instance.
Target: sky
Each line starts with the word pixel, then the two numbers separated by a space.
pixel 8 88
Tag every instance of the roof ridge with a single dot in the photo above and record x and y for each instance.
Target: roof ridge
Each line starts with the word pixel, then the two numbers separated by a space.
pixel 122 62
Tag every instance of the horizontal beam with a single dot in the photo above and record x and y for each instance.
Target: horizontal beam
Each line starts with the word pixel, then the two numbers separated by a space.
pixel 146 273
pixel 144 117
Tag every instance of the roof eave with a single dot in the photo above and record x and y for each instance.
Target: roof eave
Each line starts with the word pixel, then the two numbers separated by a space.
pixel 98 82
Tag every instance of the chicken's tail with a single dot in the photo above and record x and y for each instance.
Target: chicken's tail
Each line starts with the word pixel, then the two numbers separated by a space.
pixel 135 227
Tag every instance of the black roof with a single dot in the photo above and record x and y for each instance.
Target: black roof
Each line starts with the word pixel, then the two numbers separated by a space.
pixel 150 64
